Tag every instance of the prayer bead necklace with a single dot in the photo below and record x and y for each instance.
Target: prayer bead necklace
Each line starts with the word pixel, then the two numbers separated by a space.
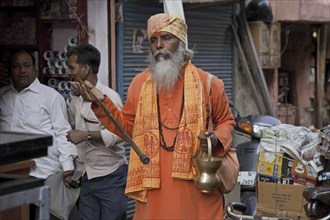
pixel 160 123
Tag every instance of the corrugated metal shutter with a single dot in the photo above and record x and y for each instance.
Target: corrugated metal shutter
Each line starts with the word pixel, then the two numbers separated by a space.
pixel 209 35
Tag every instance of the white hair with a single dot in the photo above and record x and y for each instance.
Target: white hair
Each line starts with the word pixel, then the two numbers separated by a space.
pixel 166 70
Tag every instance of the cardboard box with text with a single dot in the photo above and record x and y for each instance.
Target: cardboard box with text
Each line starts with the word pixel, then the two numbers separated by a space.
pixel 280 200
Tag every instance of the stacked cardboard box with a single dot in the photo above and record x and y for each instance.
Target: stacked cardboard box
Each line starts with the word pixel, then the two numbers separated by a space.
pixel 281 168
pixel 281 200
pixel 281 182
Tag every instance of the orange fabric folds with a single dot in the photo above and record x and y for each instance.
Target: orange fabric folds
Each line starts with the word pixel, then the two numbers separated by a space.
pixel 142 177
pixel 229 169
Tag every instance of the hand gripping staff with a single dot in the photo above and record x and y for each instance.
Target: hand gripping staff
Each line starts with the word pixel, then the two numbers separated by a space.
pixel 143 158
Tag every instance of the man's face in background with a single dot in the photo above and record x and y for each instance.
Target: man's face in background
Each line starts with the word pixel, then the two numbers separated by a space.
pixel 22 70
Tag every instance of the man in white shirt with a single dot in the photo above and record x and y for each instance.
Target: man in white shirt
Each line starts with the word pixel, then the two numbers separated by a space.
pixel 28 106
pixel 102 152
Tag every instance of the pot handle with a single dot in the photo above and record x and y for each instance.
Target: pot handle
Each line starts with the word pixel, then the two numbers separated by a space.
pixel 209 149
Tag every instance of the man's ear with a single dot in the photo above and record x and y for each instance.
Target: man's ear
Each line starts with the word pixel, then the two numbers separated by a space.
pixel 87 68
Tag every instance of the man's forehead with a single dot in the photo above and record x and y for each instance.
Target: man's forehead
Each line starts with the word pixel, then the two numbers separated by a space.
pixel 73 57
pixel 22 56
pixel 161 33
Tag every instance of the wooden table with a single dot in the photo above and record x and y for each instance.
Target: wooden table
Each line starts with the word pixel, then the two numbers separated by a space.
pixel 17 189
pixel 20 168
pixel 16 147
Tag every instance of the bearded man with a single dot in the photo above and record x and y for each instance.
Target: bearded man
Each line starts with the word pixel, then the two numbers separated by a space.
pixel 165 114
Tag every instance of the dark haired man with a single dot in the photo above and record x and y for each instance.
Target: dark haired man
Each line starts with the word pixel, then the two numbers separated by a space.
pixel 101 152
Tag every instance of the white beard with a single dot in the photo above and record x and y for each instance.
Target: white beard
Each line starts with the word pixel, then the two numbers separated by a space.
pixel 165 71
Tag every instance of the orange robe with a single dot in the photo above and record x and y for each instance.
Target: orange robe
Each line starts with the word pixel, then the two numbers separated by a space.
pixel 175 199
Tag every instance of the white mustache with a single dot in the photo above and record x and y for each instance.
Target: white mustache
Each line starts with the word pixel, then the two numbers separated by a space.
pixel 162 52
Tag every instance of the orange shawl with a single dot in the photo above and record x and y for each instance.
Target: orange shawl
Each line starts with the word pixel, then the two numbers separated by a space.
pixel 146 135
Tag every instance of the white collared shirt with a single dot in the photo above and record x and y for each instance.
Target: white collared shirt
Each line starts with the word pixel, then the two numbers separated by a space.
pixel 42 110
pixel 99 159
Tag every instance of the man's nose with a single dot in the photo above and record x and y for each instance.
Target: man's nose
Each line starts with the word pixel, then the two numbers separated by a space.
pixel 23 69
pixel 160 44
pixel 69 72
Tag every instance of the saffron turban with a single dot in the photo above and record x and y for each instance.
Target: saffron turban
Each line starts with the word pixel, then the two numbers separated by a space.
pixel 169 23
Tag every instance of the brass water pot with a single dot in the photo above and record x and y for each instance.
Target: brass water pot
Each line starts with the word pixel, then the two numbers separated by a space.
pixel 207 179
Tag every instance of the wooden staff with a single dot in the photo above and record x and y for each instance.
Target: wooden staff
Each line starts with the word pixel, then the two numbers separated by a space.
pixel 144 159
